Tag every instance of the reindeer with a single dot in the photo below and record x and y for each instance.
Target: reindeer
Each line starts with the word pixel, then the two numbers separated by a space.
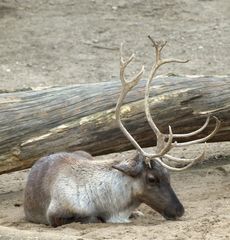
pixel 67 187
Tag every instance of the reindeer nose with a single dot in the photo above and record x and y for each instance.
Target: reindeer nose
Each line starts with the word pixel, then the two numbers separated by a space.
pixel 179 210
pixel 174 213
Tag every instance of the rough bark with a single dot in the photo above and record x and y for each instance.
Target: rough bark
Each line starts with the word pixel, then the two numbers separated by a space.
pixel 36 123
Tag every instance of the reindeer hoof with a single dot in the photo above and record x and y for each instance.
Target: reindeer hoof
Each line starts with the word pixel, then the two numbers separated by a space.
pixel 135 214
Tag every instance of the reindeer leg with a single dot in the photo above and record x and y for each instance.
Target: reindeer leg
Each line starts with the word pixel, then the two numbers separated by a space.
pixel 136 213
pixel 56 219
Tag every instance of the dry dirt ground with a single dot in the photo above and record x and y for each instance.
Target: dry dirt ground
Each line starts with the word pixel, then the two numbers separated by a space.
pixel 204 191
pixel 60 42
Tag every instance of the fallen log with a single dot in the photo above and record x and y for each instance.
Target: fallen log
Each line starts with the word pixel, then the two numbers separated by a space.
pixel 36 123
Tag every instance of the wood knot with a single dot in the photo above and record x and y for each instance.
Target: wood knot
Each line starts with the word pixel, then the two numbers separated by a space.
pixel 16 151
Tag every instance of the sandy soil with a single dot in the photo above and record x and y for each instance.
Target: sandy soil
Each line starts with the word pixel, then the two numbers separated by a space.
pixel 204 192
pixel 63 42
pixel 66 41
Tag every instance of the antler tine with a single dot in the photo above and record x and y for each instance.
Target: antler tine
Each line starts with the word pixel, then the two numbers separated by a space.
pixel 181 160
pixel 159 45
pixel 184 135
pixel 184 160
pixel 123 64
pixel 200 140
pixel 168 145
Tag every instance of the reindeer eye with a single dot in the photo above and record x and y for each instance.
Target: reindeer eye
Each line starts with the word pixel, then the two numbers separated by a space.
pixel 152 180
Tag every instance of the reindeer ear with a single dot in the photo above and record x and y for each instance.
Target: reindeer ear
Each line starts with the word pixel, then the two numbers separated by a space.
pixel 131 167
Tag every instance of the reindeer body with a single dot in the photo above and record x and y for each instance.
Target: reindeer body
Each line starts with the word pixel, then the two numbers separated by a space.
pixel 67 187
pixel 73 187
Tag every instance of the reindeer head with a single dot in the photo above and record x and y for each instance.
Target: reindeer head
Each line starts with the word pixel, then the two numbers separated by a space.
pixel 152 186
pixel 151 167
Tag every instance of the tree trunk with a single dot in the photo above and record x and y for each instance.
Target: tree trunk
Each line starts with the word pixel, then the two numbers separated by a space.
pixel 36 123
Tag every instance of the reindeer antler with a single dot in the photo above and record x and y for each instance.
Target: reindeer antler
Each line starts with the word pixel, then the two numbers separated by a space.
pixel 125 88
pixel 163 146
pixel 160 136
